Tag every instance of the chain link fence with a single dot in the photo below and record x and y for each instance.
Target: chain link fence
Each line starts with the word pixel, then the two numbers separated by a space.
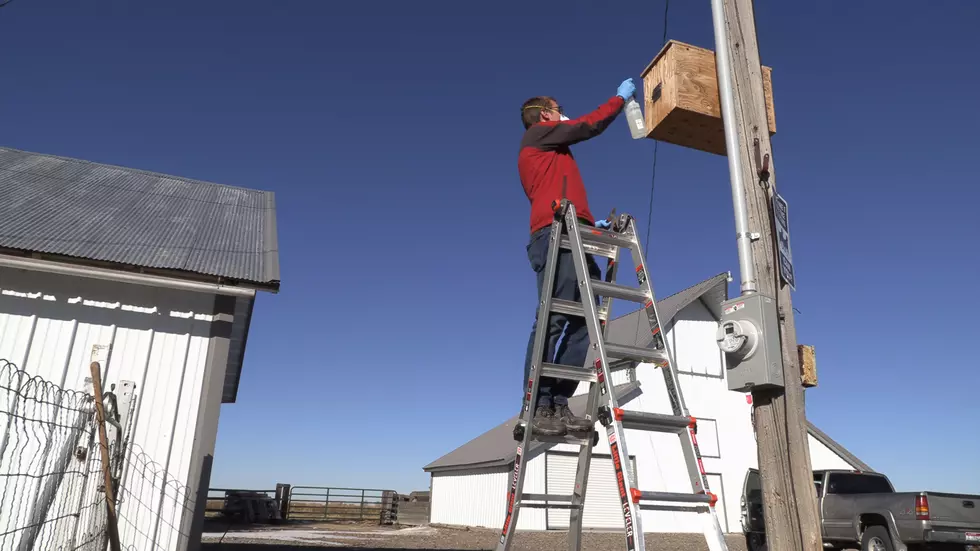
pixel 56 461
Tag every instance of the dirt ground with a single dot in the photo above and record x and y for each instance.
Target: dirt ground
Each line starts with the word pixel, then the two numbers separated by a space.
pixel 366 537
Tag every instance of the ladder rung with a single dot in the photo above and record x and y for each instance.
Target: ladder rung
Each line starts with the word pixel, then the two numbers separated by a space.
pixel 604 289
pixel 606 251
pixel 592 234
pixel 641 420
pixel 624 352
pixel 571 308
pixel 568 372
pixel 676 497
pixel 548 497
pixel 552 501
pixel 550 506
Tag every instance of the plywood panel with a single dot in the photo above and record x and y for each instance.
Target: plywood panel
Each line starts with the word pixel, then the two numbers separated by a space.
pixel 681 99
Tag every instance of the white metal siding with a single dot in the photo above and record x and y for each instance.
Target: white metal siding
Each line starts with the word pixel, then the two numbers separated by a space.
pixel 163 352
pixel 692 340
pixel 717 488
pixel 602 504
pixel 479 497
pixel 822 457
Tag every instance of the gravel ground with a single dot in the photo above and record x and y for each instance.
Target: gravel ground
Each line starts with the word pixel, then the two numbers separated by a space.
pixel 341 537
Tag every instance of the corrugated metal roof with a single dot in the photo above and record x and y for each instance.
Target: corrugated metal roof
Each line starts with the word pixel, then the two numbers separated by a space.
pixel 70 207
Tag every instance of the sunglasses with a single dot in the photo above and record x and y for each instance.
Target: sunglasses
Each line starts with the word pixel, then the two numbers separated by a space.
pixel 559 108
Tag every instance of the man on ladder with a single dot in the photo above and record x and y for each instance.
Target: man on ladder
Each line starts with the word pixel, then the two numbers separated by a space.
pixel 549 173
pixel 564 236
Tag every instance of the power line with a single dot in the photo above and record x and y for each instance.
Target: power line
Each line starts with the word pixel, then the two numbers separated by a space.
pixel 653 185
pixel 656 146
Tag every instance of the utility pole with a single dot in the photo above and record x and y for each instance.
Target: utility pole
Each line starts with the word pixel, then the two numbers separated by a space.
pixel 789 496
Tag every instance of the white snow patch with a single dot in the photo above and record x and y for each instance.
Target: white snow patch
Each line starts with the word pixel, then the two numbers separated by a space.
pixel 329 537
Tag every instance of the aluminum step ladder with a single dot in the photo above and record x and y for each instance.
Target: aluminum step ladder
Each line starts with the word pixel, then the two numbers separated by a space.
pixel 602 405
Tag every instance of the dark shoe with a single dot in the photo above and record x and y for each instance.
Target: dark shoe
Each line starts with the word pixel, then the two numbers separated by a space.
pixel 573 423
pixel 545 423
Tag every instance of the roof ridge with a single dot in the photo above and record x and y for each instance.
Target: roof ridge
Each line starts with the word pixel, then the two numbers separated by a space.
pixel 682 291
pixel 134 170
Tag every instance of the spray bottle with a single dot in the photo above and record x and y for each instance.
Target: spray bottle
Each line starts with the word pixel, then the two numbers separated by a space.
pixel 634 117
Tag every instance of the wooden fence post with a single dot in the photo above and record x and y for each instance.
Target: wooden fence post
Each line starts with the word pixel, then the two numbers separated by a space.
pixel 110 499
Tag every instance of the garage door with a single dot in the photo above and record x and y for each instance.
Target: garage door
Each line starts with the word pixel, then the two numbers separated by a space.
pixel 602 505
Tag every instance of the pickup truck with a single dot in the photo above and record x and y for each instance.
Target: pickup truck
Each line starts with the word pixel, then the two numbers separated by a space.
pixel 862 510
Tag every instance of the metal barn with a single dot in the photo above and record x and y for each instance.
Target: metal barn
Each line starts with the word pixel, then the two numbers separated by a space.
pixel 469 484
pixel 153 278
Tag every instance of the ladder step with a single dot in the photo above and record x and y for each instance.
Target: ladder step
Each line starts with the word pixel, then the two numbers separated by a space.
pixel 592 234
pixel 606 251
pixel 548 497
pixel 583 374
pixel 659 422
pixel 604 289
pixel 624 352
pixel 568 372
pixel 571 308
pixel 677 497
pixel 552 501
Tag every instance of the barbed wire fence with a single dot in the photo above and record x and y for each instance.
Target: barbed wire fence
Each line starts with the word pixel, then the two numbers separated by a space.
pixel 53 478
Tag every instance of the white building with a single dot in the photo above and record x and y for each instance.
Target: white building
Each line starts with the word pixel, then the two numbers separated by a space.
pixel 155 277
pixel 469 485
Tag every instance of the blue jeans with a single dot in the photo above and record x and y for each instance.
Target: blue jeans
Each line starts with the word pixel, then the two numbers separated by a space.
pixel 574 348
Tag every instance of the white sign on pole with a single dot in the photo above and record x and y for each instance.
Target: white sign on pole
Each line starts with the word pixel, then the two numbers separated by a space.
pixel 781 216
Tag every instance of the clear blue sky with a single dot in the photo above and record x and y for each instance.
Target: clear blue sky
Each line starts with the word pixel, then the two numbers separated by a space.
pixel 389 133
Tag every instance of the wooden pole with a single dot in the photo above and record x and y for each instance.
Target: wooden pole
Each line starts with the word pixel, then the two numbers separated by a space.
pixel 110 500
pixel 789 496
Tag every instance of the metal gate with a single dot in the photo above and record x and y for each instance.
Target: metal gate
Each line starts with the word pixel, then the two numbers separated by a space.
pixel 321 503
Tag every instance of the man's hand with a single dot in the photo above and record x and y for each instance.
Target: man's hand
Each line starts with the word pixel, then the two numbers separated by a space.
pixel 626 89
pixel 604 224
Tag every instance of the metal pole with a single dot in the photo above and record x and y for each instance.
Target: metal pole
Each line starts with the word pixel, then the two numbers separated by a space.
pixel 723 65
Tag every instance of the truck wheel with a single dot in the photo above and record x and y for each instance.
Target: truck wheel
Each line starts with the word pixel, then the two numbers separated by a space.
pixel 756 542
pixel 876 538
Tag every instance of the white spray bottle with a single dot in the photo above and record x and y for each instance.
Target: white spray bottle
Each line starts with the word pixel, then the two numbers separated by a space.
pixel 634 117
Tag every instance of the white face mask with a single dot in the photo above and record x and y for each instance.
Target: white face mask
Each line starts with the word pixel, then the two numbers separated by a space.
pixel 564 118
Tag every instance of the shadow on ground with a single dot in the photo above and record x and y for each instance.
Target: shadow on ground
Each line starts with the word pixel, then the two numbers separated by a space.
pixel 263 547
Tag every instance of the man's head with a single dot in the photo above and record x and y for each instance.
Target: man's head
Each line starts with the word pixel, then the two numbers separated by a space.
pixel 540 108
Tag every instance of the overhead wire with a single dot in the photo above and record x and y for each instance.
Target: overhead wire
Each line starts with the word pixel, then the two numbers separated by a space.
pixel 656 145
pixel 646 247
pixel 653 177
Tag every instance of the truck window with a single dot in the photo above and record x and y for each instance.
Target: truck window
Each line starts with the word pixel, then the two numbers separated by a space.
pixel 857 483
pixel 753 487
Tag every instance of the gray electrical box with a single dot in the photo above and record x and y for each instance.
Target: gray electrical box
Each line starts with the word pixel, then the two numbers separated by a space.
pixel 749 336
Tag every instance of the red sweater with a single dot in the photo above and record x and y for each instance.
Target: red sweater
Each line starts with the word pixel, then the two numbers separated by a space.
pixel 547 169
